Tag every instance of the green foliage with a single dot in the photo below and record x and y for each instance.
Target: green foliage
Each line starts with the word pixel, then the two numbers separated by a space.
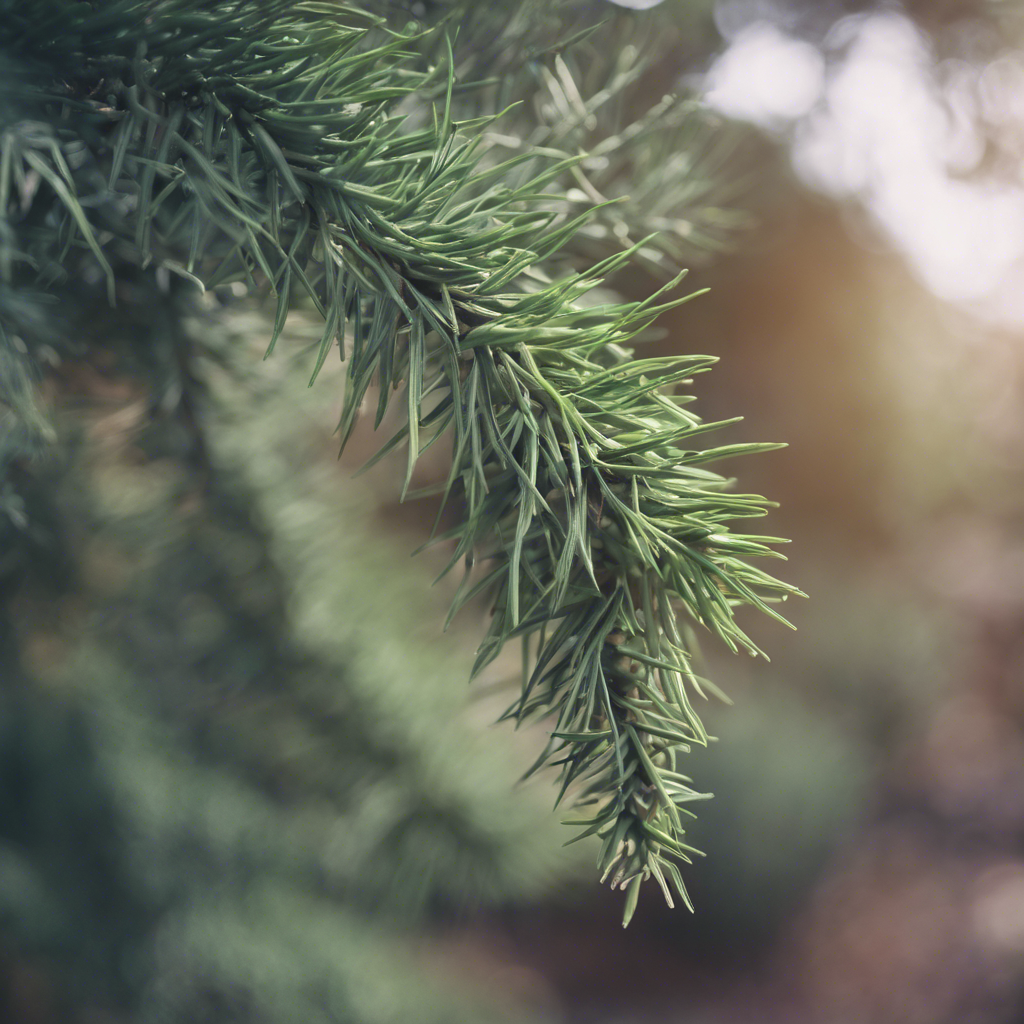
pixel 317 150
pixel 246 774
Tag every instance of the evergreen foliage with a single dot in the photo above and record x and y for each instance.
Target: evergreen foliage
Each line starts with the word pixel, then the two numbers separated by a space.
pixel 227 789
pixel 323 151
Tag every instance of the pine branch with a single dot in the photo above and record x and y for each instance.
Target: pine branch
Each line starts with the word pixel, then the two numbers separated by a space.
pixel 267 142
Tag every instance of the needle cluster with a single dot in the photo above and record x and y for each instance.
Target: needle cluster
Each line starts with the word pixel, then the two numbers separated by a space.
pixel 314 149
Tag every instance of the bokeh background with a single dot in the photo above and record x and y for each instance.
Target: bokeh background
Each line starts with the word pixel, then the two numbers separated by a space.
pixel 242 778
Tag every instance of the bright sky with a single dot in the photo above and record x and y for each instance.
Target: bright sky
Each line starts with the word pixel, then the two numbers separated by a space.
pixel 885 124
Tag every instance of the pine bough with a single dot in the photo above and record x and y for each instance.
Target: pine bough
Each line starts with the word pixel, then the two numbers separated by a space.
pixel 285 144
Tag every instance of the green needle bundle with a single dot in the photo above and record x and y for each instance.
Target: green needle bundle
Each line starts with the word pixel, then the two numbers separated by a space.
pixel 323 150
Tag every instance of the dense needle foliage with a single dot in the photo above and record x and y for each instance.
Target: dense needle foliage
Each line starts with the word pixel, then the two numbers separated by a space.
pixel 316 149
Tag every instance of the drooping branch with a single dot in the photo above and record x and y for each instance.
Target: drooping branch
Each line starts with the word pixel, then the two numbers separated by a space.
pixel 268 143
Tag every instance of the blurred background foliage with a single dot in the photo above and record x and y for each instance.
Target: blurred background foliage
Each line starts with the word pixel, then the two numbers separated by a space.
pixel 241 778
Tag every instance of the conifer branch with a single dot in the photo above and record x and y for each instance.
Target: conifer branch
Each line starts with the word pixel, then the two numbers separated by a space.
pixel 267 143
